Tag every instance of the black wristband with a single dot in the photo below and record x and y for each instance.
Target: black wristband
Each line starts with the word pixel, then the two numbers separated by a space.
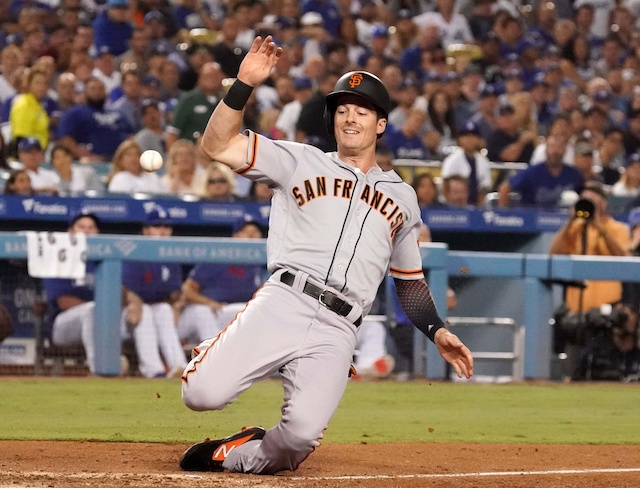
pixel 431 333
pixel 237 96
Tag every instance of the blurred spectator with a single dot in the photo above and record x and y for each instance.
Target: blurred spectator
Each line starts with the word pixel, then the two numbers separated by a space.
pixel 290 113
pixel 127 176
pixel 65 90
pixel 260 192
pixel 184 175
pixel 560 127
pixel 348 33
pixel 169 76
pixel 112 27
pixel 583 160
pixel 631 291
pixel 407 142
pixel 405 97
pixel 194 108
pixel 225 51
pixel 611 58
pixel 541 185
pixel 329 11
pixel 468 162
pixel 129 105
pixel 151 136
pixel 309 129
pixel 192 14
pixel 11 59
pixel 455 191
pixel 427 45
pixel 18 183
pixel 440 125
pixel 378 45
pixel 610 154
pixel 631 136
pixel 89 130
pixel 629 183
pixel 453 27
pixel 105 69
pixel 152 292
pixel 221 183
pixel 3 153
pixel 506 143
pixel 135 58
pixel 28 118
pixel 216 292
pixel 485 117
pixel 426 190
pixel 74 179
pixel 31 156
pixel 197 55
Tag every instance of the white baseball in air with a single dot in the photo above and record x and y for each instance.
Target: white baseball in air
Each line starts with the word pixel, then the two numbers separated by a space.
pixel 151 160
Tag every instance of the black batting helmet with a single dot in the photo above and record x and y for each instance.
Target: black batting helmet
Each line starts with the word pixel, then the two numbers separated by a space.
pixel 360 83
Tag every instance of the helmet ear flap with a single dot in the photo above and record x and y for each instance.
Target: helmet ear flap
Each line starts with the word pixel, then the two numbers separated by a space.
pixel 328 120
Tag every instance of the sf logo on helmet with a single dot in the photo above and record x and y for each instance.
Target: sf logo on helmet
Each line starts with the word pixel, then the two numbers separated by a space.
pixel 355 80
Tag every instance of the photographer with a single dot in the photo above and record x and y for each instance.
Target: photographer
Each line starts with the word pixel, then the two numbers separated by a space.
pixel 611 352
pixel 590 231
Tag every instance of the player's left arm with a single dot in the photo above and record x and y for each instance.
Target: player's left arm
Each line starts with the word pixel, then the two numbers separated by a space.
pixel 417 302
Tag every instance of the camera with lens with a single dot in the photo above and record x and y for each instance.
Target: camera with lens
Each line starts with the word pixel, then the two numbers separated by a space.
pixel 584 209
pixel 594 331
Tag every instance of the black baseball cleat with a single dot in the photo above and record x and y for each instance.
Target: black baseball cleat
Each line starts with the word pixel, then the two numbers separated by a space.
pixel 209 455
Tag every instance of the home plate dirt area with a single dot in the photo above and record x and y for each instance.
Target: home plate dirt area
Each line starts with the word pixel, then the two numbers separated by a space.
pixel 74 464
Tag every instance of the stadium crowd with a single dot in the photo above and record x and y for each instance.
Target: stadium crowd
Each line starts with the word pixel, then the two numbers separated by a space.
pixel 107 79
pixel 86 86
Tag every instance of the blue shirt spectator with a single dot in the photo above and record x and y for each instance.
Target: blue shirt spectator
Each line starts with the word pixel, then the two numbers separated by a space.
pixel 112 28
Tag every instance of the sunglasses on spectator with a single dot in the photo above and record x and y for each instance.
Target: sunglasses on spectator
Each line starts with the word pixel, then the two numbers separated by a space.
pixel 217 180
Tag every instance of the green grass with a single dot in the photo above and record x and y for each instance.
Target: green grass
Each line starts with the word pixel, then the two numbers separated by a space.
pixel 152 411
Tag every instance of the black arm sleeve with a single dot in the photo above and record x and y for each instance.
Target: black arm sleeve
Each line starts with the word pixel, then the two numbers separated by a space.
pixel 417 302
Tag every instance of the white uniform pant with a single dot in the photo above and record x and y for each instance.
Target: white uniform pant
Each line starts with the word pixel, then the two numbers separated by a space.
pixel 155 338
pixel 198 322
pixel 281 329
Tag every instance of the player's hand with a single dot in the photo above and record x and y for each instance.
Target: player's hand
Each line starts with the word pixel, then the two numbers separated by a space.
pixel 259 61
pixel 454 352
pixel 134 313
pixel 215 306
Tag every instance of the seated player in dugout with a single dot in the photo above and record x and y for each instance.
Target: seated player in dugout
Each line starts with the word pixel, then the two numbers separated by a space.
pixel 338 225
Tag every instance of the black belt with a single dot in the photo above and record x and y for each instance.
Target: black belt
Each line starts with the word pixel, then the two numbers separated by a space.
pixel 329 299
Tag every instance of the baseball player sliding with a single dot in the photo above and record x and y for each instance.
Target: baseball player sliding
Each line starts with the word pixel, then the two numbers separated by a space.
pixel 338 224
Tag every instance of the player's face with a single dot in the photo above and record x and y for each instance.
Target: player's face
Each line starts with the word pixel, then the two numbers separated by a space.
pixel 356 124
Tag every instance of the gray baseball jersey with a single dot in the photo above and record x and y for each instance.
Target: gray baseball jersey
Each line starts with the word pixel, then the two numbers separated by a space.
pixel 332 228
pixel 332 221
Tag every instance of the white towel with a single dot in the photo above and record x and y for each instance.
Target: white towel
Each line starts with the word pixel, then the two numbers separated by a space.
pixel 56 254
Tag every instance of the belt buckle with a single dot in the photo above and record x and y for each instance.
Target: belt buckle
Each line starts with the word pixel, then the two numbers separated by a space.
pixel 321 298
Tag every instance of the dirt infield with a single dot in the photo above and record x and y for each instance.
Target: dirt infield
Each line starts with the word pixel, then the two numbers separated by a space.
pixel 74 464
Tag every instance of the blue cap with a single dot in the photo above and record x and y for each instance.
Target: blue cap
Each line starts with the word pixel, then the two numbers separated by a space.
pixel 488 90
pixel 302 82
pixel 602 95
pixel 379 31
pixel 246 219
pixel 450 76
pixel 469 127
pixel 29 143
pixel 14 38
pixel 512 73
pixel 632 158
pixel 540 78
pixel 77 214
pixel 634 217
pixel 407 83
pixel 157 216
pixel 152 81
pixel 153 15
pixel 430 76
pixel 100 50
pixel 117 3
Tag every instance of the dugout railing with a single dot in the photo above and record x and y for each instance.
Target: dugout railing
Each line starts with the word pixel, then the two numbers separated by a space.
pixel 538 272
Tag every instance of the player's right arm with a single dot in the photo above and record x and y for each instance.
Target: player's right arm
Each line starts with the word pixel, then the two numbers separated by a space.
pixel 221 139
pixel 65 302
